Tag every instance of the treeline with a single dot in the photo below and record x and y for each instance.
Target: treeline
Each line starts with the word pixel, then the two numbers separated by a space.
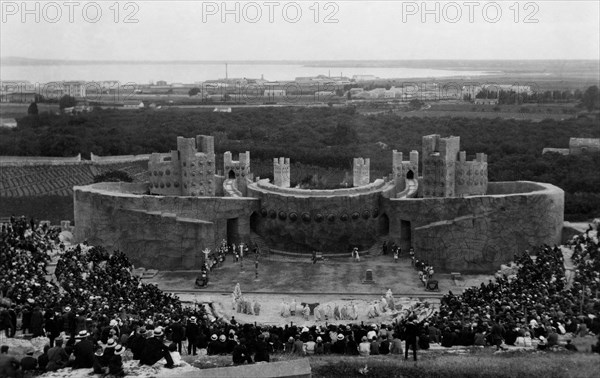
pixel 588 99
pixel 325 137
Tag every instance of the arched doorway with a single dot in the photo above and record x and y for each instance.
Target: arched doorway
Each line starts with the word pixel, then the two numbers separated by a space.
pixel 405 235
pixel 254 219
pixel 231 174
pixel 410 174
pixel 383 226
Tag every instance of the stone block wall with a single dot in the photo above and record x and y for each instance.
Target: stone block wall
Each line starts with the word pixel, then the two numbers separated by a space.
pixel 477 234
pixel 157 229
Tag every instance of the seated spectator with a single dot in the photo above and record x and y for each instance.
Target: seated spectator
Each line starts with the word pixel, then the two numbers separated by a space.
pixel 374 346
pixel 351 346
pixel 155 350
pixel 319 347
pixel 364 348
pixel 396 345
pixel 29 363
pixel 310 345
pixel 43 359
pixel 115 365
pixel 9 365
pixel 339 347
pixel 57 357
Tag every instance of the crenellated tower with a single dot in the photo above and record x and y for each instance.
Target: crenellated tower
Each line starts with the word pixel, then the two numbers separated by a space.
pixel 186 171
pixel 238 169
pixel 446 171
pixel 403 170
pixel 361 171
pixel 281 172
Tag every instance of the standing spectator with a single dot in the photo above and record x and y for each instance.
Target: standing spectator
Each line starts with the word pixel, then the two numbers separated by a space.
pixel 177 333
pixel 411 331
pixel 240 353
pixel 36 323
pixel 497 334
pixel 191 332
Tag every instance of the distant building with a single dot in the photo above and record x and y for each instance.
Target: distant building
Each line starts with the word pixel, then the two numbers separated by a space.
pixel 161 83
pixel 485 101
pixel 578 146
pixel 75 88
pixel 133 104
pixel 359 78
pixel 18 97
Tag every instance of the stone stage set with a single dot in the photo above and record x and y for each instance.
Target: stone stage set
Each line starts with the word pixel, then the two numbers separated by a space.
pixel 438 202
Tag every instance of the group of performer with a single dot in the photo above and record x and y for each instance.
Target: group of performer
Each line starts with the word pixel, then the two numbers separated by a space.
pixel 217 258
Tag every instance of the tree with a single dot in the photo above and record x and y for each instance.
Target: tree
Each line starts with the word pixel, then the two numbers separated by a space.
pixel 33 109
pixel 415 104
pixel 67 101
pixel 591 98
pixel 194 91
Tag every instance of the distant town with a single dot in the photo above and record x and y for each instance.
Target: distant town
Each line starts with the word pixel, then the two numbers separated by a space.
pixel 321 90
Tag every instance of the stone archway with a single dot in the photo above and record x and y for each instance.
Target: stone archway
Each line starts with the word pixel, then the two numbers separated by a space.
pixel 383 225
pixel 410 174
pixel 231 174
pixel 254 219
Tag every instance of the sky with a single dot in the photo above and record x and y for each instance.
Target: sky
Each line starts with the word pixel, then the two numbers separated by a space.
pixel 300 30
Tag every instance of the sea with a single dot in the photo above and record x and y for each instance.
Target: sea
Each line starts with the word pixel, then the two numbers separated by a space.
pixel 144 73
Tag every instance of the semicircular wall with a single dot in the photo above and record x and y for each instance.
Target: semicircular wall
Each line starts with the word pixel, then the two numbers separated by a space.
pixel 478 233
pixel 331 221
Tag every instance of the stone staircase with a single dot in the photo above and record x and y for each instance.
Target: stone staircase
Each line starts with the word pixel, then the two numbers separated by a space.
pixel 261 243
pixel 375 249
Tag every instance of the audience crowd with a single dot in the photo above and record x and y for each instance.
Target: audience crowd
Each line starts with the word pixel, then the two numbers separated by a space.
pixel 94 309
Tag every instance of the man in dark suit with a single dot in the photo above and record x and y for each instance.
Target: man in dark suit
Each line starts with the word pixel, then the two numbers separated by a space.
pixel 411 331
pixel 83 352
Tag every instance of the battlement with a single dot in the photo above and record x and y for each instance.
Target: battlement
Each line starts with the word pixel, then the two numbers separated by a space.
pixel 184 172
pixel 281 172
pixel 206 144
pixel 446 171
pixel 362 167
pixel 434 145
pixel 403 170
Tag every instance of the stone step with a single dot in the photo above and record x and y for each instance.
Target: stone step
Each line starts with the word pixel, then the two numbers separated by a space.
pixel 149 273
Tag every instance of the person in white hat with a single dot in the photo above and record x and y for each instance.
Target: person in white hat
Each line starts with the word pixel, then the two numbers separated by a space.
pixel 115 365
pixel 213 345
pixel 155 350
pixel 83 351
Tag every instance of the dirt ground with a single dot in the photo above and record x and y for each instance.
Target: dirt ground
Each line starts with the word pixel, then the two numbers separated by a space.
pixel 334 281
